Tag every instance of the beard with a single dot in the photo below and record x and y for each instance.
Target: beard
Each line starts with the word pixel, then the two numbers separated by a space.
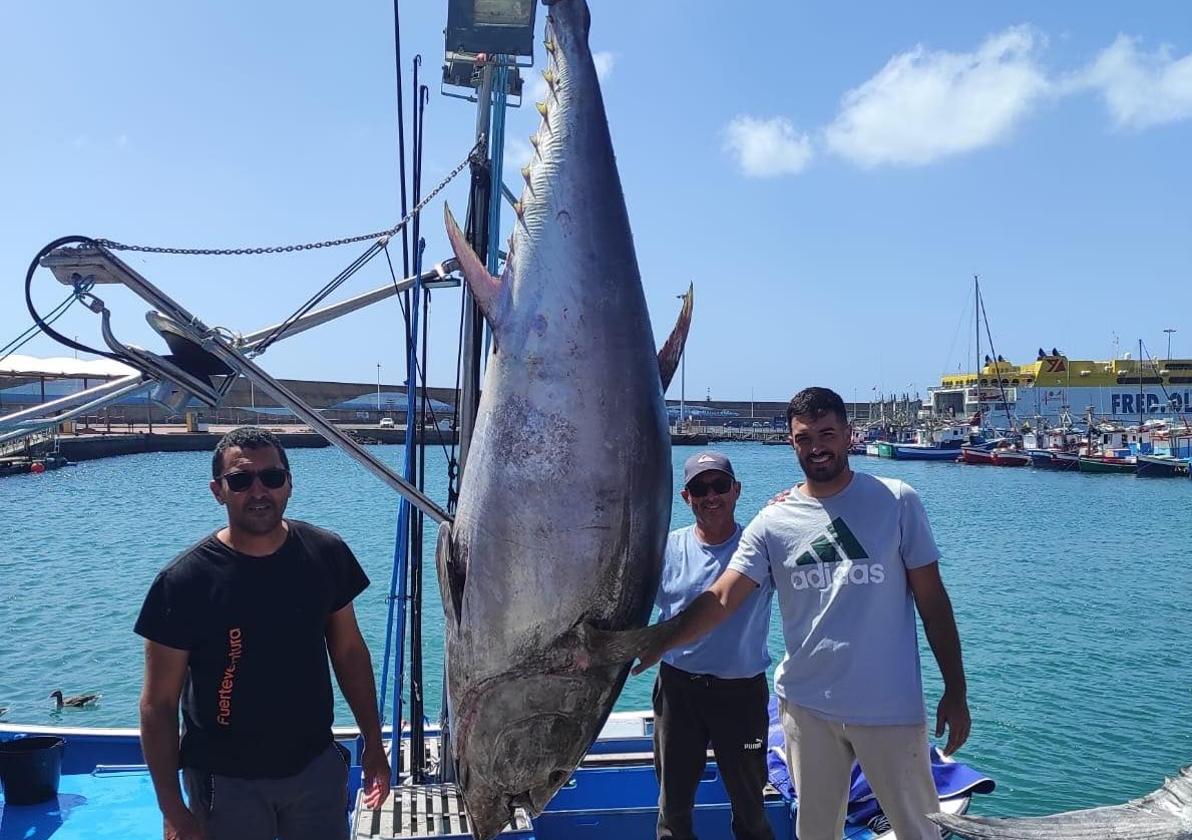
pixel 826 471
pixel 258 522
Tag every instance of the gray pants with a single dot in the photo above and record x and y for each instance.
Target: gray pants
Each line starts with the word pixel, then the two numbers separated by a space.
pixel 310 805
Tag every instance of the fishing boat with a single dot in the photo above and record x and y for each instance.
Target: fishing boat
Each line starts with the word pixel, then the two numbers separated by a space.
pixel 995 457
pixel 936 443
pixel 1161 466
pixel 1117 461
pixel 105 790
pixel 1052 448
pixel 105 793
pixel 1050 459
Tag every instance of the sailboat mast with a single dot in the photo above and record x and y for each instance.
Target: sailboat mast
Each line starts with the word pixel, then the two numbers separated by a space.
pixel 1140 392
pixel 977 344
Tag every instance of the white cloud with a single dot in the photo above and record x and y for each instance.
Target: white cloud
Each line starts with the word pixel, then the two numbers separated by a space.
pixel 517 154
pixel 925 105
pixel 603 60
pixel 1141 89
pixel 767 148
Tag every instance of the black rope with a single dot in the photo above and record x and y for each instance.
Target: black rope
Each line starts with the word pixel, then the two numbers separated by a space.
pixel 37 317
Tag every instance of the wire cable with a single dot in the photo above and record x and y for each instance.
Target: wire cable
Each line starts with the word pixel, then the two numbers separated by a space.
pixel 37 317
pixel 31 333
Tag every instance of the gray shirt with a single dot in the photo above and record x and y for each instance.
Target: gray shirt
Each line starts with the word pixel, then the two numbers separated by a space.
pixel 839 566
pixel 737 648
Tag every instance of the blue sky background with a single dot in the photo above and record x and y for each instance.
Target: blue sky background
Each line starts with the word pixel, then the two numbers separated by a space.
pixel 829 176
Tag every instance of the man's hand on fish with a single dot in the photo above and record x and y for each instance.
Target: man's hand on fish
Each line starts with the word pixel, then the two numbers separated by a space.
pixel 648 658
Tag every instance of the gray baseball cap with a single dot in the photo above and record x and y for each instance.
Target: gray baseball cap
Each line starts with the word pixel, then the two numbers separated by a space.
pixel 701 462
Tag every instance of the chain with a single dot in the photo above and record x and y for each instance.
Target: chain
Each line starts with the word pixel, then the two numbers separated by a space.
pixel 474 156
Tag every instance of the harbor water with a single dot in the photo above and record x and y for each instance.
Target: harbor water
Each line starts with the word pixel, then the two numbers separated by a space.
pixel 1071 593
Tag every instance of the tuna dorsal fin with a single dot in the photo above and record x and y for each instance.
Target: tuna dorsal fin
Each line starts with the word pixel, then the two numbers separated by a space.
pixel 672 350
pixel 485 288
pixel 451 577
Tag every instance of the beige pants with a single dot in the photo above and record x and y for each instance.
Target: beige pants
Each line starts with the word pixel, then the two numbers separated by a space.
pixel 820 756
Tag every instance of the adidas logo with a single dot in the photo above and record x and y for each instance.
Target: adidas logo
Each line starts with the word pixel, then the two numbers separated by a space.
pixel 833 557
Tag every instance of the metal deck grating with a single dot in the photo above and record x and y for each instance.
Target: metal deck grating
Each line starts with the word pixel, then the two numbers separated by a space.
pixel 414 811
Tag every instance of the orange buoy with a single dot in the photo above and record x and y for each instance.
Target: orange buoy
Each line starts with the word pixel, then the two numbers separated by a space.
pixel 37 467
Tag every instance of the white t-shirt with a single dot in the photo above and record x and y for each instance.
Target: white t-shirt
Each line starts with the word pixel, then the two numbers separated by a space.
pixel 839 568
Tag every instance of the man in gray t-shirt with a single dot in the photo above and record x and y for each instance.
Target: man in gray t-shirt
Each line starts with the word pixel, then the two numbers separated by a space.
pixel 851 556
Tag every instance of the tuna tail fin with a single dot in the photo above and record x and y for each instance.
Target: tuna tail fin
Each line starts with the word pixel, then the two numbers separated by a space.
pixel 485 288
pixel 1161 815
pixel 1116 823
pixel 451 577
pixel 672 350
pixel 620 647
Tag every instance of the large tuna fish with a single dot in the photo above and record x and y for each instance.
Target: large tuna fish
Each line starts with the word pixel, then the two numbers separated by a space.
pixel 549 571
pixel 1165 814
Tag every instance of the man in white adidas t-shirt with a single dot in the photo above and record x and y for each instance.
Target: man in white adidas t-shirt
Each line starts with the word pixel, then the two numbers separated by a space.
pixel 851 556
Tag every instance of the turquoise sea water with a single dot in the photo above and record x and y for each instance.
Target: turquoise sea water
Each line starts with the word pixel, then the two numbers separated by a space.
pixel 1071 592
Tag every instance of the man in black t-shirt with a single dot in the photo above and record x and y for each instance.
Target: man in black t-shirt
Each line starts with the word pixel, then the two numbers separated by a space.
pixel 239 628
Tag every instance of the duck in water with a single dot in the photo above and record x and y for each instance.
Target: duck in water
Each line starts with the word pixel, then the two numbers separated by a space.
pixel 76 702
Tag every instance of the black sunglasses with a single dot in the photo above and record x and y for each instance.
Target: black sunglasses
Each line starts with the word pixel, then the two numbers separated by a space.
pixel 272 478
pixel 721 485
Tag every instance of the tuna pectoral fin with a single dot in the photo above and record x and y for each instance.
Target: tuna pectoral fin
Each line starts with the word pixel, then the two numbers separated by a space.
pixel 451 576
pixel 672 350
pixel 485 288
pixel 1120 822
pixel 620 647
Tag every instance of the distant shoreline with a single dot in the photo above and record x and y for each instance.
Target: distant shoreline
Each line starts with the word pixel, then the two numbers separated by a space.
pixel 91 446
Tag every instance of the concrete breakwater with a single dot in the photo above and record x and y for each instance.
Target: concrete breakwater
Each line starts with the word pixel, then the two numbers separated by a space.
pixel 88 447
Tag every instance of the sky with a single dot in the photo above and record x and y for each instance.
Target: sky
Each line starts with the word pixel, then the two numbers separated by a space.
pixel 829 176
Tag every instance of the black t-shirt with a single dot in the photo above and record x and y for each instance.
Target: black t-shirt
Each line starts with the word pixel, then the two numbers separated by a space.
pixel 257 700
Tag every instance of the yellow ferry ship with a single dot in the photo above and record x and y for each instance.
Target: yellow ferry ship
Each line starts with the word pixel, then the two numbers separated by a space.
pixel 1123 390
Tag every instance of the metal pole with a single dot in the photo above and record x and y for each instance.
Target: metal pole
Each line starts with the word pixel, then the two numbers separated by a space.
pixel 682 380
pixel 473 320
pixel 279 392
pixel 378 391
pixel 1169 331
pixel 683 386
pixel 86 395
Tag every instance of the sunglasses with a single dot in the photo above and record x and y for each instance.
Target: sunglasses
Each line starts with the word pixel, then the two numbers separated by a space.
pixel 721 485
pixel 272 478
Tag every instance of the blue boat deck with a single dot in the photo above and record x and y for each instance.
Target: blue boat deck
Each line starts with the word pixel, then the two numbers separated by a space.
pixel 116 802
pixel 106 793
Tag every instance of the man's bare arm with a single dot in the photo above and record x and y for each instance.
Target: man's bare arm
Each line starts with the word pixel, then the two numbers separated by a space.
pixel 703 614
pixel 939 625
pixel 165 672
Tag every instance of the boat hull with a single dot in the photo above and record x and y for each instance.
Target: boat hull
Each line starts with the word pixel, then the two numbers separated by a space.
pixel 1161 466
pixel 912 452
pixel 1047 460
pixel 994 457
pixel 1097 466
